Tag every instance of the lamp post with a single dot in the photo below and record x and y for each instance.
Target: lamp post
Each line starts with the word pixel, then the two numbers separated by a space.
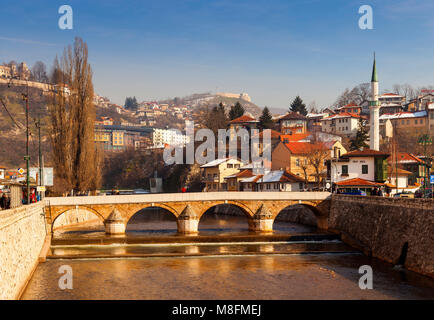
pixel 425 140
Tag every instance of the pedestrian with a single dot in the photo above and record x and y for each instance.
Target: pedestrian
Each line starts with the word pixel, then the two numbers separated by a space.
pixel 3 201
pixel 380 193
pixel 374 192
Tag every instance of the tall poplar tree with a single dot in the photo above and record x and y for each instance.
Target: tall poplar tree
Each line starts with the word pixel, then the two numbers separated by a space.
pixel 77 162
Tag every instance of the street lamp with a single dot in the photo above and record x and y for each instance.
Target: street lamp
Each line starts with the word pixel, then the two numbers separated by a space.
pixel 425 140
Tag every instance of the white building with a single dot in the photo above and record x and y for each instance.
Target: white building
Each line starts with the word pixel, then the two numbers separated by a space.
pixel 341 124
pixel 173 137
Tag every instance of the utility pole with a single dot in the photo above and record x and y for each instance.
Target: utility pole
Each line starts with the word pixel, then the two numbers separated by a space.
pixel 27 156
pixel 41 172
pixel 425 140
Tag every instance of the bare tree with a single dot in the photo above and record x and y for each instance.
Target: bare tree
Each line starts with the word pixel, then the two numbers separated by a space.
pixel 39 71
pixel 358 95
pixel 77 161
pixel 316 157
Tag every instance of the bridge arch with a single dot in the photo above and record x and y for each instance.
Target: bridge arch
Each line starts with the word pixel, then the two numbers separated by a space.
pixel 316 208
pixel 134 210
pixel 245 209
pixel 80 207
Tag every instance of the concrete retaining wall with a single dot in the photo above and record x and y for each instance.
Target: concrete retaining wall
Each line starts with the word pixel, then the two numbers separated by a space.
pixel 381 227
pixel 22 236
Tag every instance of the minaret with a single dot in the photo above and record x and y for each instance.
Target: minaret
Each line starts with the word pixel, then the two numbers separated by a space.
pixel 374 107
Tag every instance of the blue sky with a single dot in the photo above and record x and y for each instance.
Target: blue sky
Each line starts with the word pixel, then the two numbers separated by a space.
pixel 273 50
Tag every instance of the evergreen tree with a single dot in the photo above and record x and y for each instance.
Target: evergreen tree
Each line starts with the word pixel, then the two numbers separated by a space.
pixel 359 140
pixel 131 103
pixel 236 111
pixel 298 106
pixel 266 120
pixel 217 119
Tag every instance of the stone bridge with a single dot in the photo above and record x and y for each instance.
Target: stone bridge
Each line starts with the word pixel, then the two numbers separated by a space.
pixel 261 208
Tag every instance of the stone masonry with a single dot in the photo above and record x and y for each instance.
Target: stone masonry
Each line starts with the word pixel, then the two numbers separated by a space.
pixel 22 235
pixel 381 227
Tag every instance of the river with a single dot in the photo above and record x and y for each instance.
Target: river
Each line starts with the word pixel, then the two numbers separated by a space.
pixel 225 261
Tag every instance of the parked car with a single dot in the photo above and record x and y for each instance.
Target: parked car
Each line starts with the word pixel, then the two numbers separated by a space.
pixel 356 193
pixel 419 193
pixel 404 195
pixel 140 191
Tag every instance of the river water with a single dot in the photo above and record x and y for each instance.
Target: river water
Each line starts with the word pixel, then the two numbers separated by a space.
pixel 296 263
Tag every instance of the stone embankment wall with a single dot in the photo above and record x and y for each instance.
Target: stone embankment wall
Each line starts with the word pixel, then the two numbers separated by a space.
pixel 399 231
pixel 22 236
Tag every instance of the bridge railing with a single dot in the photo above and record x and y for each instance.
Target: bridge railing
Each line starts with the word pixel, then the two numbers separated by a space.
pixel 193 196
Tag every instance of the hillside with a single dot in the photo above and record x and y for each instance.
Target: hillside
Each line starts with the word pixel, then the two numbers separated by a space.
pixel 203 100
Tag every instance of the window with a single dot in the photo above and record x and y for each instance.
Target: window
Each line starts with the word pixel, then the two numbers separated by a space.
pixel 268 186
pixel 215 175
pixel 344 169
pixel 236 165
pixel 364 169
pixel 402 121
pixel 408 121
pixel 297 162
pixel 415 121
pixel 230 165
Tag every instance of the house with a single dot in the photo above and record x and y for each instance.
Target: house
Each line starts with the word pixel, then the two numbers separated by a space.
pixel 243 122
pixel 430 118
pixel 292 123
pixel 411 163
pixel 249 183
pixel 343 124
pixel 314 121
pixel 357 184
pixel 407 120
pixel 214 173
pixel 390 108
pixel 350 108
pixel 279 180
pixel 363 169
pixel 233 181
pixel 295 157
pixel 391 98
pixel 397 181
pixel 274 137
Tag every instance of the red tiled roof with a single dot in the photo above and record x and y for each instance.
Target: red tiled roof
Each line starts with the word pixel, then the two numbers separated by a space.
pixel 274 134
pixel 391 171
pixel 293 115
pixel 390 94
pixel 244 119
pixel 364 153
pixel 358 182
pixel 303 147
pixel 405 157
pixel 244 174
pixel 289 176
pixel 295 136
pixel 343 114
